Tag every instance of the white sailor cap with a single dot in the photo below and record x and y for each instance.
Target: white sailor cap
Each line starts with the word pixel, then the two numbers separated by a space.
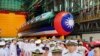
pixel 59 41
pixel 26 40
pixel 75 41
pixel 38 41
pixel 32 40
pixel 2 43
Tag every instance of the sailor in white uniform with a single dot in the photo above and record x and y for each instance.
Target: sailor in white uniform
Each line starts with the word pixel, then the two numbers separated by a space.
pixel 31 44
pixel 26 48
pixel 3 51
pixel 38 46
pixel 13 48
pixel 72 49
pixel 82 49
pixel 76 53
pixel 47 51
pixel 46 48
pixel 7 48
pixel 20 43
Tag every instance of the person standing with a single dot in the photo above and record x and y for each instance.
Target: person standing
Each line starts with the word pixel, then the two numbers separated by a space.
pixel 91 52
pixel 82 49
pixel 46 48
pixel 18 50
pixel 7 48
pixel 13 48
pixel 3 52
pixel 38 46
pixel 96 48
pixel 31 44
pixel 20 45
pixel 26 48
pixel 46 51
pixel 72 50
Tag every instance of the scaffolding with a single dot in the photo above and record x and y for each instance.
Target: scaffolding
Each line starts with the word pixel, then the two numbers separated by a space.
pixel 83 10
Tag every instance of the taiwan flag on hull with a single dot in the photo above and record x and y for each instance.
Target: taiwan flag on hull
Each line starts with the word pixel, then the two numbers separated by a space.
pixel 64 23
pixel 67 22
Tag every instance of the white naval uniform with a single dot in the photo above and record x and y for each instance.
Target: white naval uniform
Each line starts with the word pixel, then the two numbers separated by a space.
pixel 76 53
pixel 39 48
pixel 52 42
pixel 13 50
pixel 50 50
pixel 82 50
pixel 32 46
pixel 26 48
pixel 64 51
pixel 7 51
pixel 49 53
pixel 3 52
pixel 21 44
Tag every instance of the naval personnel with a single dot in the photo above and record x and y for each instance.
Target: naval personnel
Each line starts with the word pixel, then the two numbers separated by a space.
pixel 75 53
pixel 71 49
pixel 3 51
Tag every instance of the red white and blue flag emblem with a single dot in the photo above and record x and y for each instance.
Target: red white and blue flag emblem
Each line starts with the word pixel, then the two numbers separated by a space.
pixel 67 22
pixel 64 23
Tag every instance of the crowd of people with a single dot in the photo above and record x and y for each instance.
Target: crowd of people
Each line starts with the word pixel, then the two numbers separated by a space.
pixel 26 47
